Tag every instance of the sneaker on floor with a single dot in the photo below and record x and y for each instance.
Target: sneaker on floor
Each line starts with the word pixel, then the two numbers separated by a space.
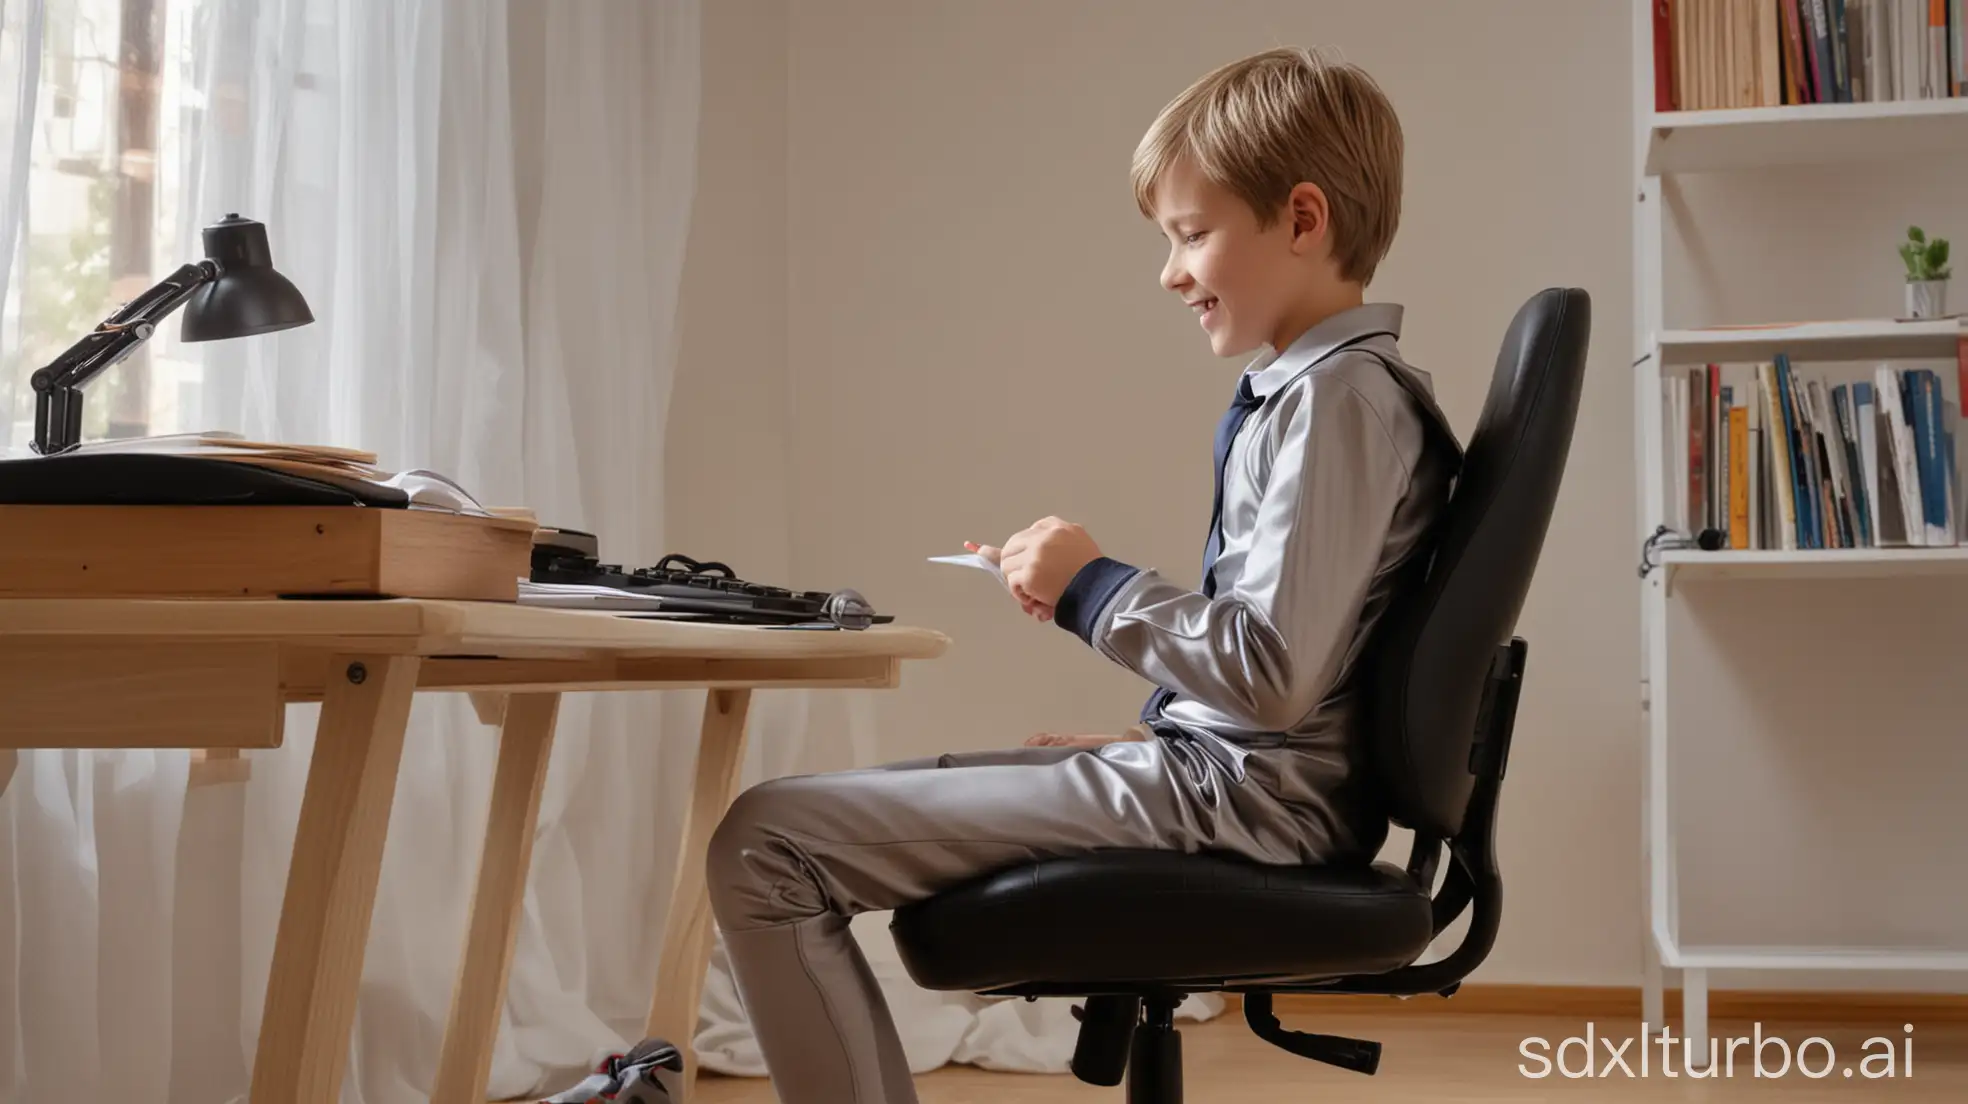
pixel 632 1078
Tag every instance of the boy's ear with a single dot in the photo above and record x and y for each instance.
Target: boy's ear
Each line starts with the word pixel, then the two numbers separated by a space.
pixel 1311 217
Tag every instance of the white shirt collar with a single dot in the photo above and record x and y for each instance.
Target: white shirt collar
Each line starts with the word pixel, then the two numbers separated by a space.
pixel 1274 368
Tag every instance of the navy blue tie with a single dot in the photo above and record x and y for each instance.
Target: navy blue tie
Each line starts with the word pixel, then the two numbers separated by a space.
pixel 1226 432
pixel 1241 406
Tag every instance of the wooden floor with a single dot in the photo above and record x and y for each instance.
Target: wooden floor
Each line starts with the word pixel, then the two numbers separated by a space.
pixel 1464 1056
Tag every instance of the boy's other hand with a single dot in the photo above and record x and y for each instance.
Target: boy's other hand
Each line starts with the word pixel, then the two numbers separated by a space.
pixel 1040 560
pixel 1088 740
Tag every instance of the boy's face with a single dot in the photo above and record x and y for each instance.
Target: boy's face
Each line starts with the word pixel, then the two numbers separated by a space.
pixel 1240 280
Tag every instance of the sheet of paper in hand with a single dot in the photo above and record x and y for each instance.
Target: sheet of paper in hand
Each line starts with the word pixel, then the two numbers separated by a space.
pixel 973 559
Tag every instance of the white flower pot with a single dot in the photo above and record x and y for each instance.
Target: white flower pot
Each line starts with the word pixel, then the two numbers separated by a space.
pixel 1926 298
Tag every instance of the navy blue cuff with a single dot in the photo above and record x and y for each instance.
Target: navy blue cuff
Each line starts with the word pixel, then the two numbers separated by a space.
pixel 1093 586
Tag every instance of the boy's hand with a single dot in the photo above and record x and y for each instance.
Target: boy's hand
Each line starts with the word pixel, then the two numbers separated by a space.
pixel 1040 560
pixel 1063 739
pixel 1082 740
pixel 1040 610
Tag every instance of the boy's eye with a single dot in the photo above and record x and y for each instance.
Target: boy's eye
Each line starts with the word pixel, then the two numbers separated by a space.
pixel 1191 239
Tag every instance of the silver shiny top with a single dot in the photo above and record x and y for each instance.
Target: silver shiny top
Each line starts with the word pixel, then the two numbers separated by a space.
pixel 1328 488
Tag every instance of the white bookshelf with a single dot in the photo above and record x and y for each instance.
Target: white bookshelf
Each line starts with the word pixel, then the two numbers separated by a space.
pixel 1824 958
pixel 1857 339
pixel 1803 134
pixel 1750 139
pixel 1833 563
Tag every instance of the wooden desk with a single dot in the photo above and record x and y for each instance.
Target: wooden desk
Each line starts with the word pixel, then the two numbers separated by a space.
pixel 120 673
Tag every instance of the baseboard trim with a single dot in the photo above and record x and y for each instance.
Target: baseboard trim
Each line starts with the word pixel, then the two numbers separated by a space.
pixel 1610 1002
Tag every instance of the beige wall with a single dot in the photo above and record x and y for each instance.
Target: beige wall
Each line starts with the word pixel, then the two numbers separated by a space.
pixel 727 445
pixel 915 223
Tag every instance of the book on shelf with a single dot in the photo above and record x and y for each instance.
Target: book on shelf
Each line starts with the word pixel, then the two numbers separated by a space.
pixel 1772 456
pixel 1719 54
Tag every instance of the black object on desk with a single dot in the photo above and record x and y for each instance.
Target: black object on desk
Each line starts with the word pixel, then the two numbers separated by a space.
pixel 233 292
pixel 697 590
pixel 169 479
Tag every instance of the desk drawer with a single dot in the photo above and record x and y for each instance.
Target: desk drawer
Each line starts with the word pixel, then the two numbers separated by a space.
pixel 259 552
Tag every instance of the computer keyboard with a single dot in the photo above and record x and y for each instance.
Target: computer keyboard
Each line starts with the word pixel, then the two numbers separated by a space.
pixel 680 587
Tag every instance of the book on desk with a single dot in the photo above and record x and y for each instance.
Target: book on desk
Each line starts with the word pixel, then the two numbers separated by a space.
pixel 214 515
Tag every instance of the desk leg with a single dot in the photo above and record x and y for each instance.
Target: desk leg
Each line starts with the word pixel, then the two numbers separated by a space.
pixel 687 935
pixel 9 758
pixel 331 887
pixel 525 739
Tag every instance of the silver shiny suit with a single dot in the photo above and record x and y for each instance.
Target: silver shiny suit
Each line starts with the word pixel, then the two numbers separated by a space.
pixel 1328 487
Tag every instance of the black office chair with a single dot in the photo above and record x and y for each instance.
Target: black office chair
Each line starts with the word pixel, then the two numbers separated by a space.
pixel 1135 932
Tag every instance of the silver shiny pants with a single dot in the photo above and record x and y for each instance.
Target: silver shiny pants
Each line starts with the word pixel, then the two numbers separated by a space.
pixel 795 858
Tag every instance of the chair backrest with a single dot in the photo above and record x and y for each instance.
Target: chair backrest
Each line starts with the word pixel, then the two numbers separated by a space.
pixel 1440 635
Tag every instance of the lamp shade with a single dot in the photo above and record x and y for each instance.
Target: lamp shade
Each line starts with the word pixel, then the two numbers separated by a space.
pixel 248 296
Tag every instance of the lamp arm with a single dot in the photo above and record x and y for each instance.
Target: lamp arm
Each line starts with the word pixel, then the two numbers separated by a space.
pixel 123 331
pixel 58 386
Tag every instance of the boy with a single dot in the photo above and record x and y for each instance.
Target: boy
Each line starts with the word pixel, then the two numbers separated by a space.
pixel 1277 181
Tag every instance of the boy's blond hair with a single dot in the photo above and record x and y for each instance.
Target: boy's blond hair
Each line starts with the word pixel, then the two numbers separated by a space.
pixel 1259 126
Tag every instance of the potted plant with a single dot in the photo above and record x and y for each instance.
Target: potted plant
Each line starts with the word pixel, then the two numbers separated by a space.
pixel 1926 274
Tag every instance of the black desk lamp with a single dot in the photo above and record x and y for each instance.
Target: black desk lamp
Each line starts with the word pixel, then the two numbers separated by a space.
pixel 233 292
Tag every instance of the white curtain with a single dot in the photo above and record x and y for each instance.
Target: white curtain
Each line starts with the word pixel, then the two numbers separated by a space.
pixel 509 321
pixel 487 209
pixel 20 78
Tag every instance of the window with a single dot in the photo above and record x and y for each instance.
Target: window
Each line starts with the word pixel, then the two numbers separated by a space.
pixel 102 213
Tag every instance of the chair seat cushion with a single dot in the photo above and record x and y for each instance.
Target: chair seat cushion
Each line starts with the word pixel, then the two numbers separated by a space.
pixel 1162 916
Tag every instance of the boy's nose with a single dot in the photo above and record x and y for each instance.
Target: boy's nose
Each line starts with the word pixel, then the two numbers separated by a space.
pixel 1173 277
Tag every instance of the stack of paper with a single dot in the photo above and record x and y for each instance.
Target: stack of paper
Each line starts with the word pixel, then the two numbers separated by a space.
pixel 342 467
pixel 973 559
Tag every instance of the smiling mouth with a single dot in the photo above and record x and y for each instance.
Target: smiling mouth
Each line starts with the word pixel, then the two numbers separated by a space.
pixel 1203 306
